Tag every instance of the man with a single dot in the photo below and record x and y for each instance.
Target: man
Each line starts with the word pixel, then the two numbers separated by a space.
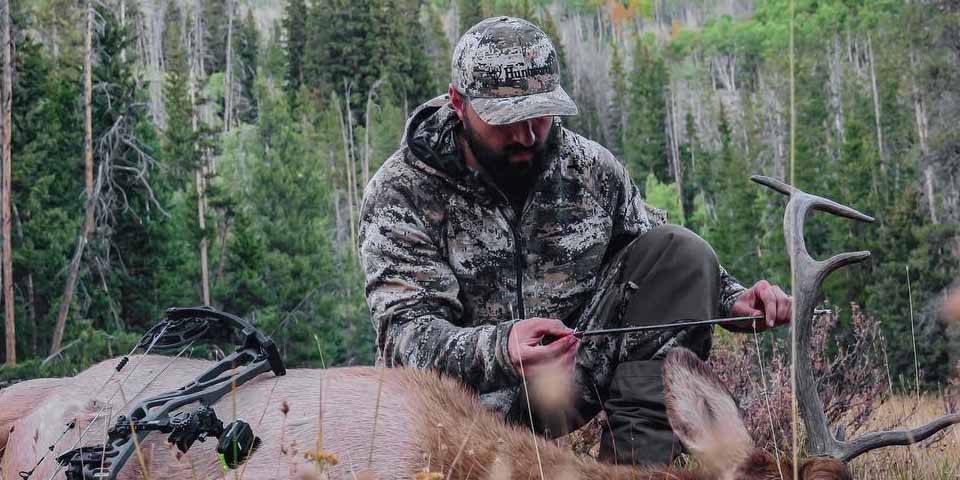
pixel 493 227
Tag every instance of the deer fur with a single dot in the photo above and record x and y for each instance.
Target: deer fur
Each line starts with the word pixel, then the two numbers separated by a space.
pixel 424 422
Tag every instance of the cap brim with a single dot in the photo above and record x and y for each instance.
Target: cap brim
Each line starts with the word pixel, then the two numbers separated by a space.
pixel 504 110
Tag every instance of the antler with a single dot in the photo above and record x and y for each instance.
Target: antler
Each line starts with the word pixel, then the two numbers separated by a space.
pixel 808 276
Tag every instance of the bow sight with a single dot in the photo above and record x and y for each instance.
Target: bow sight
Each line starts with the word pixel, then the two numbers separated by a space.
pixel 255 354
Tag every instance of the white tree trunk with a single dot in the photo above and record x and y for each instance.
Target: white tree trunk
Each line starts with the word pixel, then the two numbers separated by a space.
pixel 201 215
pixel 920 120
pixel 675 150
pixel 836 94
pixel 150 56
pixel 7 158
pixel 228 73
pixel 123 23
pixel 346 134
pixel 876 105
pixel 195 77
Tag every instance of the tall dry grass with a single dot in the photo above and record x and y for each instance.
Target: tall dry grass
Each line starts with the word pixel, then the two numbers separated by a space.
pixel 856 391
pixel 937 458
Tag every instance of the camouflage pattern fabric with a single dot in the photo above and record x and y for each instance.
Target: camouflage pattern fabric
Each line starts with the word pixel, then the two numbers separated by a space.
pixel 510 71
pixel 449 263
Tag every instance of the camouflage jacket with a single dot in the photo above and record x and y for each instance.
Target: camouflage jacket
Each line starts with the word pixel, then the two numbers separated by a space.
pixel 449 263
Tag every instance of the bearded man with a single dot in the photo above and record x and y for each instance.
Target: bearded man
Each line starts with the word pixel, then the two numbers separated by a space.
pixel 493 227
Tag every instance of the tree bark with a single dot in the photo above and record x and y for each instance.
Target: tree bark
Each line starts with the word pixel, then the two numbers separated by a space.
pixel 7 125
pixel 836 95
pixel 90 203
pixel 196 73
pixel 123 23
pixel 228 73
pixel 876 105
pixel 221 263
pixel 346 130
pixel 675 151
pixel 366 134
pixel 920 119
pixel 201 215
pixel 228 107
pixel 149 56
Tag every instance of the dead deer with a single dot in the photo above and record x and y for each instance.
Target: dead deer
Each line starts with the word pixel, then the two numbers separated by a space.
pixel 425 422
pixel 395 423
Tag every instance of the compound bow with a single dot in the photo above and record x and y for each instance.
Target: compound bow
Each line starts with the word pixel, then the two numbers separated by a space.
pixel 255 354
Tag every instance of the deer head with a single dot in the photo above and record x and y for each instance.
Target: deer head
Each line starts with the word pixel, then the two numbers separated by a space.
pixel 808 275
pixel 707 420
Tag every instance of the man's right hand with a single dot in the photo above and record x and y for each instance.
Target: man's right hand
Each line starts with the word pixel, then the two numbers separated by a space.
pixel 557 356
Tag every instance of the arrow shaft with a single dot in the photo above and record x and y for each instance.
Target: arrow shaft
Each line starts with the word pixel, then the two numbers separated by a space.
pixel 682 323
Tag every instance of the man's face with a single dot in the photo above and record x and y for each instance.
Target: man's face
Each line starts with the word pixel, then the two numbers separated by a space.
pixel 513 154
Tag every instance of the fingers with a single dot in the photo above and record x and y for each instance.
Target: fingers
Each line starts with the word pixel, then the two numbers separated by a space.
pixel 786 307
pixel 557 347
pixel 777 306
pixel 768 299
pixel 524 342
pixel 745 304
pixel 539 327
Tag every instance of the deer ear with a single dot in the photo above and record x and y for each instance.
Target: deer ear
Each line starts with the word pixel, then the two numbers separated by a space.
pixel 703 414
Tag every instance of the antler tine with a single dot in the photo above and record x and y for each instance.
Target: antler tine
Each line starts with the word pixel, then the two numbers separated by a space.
pixel 808 275
pixel 822 204
pixel 872 441
pixel 773 183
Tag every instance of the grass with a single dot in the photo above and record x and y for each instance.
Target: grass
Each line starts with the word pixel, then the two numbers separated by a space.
pixel 936 458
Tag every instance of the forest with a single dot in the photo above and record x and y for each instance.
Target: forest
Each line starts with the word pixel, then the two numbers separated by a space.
pixel 164 153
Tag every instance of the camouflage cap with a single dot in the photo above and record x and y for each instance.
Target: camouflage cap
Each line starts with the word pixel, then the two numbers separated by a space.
pixel 509 69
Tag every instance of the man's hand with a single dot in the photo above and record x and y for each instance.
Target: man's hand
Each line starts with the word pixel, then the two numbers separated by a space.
pixel 763 299
pixel 557 356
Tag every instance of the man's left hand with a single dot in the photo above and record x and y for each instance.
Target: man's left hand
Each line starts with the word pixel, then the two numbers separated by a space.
pixel 763 299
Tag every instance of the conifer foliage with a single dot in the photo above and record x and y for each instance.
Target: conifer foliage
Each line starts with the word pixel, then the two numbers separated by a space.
pixel 265 165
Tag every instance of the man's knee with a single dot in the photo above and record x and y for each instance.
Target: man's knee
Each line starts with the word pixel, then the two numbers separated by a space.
pixel 682 245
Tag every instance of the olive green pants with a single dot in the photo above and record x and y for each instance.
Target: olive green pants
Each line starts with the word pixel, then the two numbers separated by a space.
pixel 667 275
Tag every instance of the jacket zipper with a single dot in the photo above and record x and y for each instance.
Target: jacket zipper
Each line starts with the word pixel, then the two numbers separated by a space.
pixel 518 266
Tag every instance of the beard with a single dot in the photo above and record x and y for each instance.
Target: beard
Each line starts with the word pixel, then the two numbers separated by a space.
pixel 514 178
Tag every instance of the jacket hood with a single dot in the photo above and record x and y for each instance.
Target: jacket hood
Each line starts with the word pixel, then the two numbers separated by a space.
pixel 431 136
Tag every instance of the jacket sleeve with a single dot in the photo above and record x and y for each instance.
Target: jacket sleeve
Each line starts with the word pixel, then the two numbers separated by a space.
pixel 634 217
pixel 412 294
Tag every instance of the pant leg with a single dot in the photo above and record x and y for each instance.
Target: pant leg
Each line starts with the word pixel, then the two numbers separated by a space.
pixel 666 275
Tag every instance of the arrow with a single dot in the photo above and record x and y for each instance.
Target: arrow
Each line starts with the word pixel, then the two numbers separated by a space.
pixel 682 323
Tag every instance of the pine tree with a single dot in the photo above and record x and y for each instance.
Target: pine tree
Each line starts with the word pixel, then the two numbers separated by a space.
pixel 173 22
pixel 179 139
pixel 733 230
pixel 396 45
pixel 618 100
pixel 339 43
pixel 295 35
pixel 549 27
pixel 471 13
pixel 645 137
pixel 439 50
pixel 215 21
pixel 247 56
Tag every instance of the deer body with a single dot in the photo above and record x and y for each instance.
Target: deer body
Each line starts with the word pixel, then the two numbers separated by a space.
pixel 424 422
